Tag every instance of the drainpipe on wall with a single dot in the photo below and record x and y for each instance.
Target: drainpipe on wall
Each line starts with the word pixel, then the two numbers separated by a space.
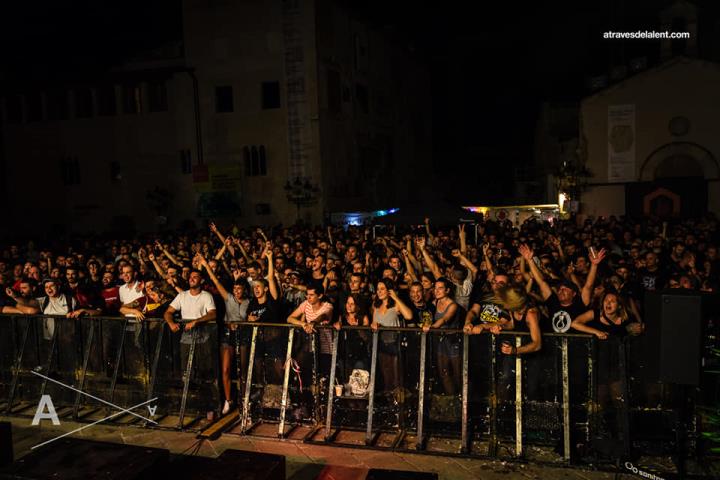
pixel 198 128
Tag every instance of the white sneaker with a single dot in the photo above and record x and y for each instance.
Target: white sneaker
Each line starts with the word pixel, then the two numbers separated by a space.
pixel 226 407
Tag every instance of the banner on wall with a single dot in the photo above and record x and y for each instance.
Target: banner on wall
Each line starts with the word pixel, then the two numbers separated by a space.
pixel 217 178
pixel 621 143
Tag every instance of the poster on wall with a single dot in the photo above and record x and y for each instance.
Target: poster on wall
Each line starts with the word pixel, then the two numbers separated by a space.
pixel 621 143
pixel 218 186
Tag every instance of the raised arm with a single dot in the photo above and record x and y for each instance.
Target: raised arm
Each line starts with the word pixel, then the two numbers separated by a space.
pixel 221 252
pixel 408 265
pixel 203 263
pixel 214 229
pixel 463 242
pixel 488 263
pixel 156 265
pixel 595 259
pixel 428 259
pixel 545 289
pixel 555 242
pixel 472 269
pixel 242 250
pixel 272 285
pixel 168 254
pixel 428 232
pixel 403 309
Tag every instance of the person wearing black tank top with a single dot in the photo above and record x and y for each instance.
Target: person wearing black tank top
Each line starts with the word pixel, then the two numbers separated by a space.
pixel 447 347
pixel 610 324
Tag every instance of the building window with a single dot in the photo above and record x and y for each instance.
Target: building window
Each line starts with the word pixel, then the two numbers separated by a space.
pixel 185 161
pixel 270 95
pixel 57 105
pixel 223 99
pixel 262 209
pixel 132 98
pixel 255 161
pixel 34 107
pixel 157 96
pixel 70 171
pixel 106 100
pixel 14 108
pixel 83 103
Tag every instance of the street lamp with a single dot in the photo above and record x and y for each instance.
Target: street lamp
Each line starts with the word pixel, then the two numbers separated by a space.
pixel 301 193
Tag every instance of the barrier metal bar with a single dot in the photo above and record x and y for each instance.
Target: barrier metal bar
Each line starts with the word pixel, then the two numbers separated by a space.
pixel 371 388
pixel 624 411
pixel 420 440
pixel 518 400
pixel 464 444
pixel 248 382
pixel 186 378
pixel 331 392
pixel 118 358
pixel 565 400
pixel 592 392
pixel 286 381
pixel 48 365
pixel 493 401
pixel 154 367
pixel 18 366
pixel 315 378
pixel 83 372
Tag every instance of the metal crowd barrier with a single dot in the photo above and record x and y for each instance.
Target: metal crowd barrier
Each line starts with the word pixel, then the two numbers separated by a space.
pixel 469 411
pixel 90 366
pixel 436 392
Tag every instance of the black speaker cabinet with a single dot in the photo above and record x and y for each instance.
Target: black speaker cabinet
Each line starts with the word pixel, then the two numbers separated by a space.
pixel 75 459
pixel 673 327
pixel 231 465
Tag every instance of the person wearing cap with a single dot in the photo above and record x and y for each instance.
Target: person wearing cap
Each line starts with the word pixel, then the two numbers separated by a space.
pixel 564 305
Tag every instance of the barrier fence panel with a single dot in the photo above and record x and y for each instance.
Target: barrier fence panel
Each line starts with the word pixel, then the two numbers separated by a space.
pixel 51 356
pixel 395 388
pixel 91 365
pixel 11 333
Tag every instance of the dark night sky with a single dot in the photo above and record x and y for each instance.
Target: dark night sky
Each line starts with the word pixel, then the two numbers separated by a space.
pixel 491 67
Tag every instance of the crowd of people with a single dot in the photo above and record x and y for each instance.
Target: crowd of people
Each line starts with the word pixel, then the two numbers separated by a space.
pixel 538 277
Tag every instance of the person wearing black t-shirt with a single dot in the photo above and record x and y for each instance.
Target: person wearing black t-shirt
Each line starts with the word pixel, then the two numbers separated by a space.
pixel 651 277
pixel 265 308
pixel 564 306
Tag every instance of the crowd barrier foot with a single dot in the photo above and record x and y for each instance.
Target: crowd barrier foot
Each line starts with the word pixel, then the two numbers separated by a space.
pixel 225 423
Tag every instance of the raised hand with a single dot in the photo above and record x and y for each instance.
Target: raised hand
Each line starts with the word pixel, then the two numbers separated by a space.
pixel 199 258
pixel 213 227
pixel 526 252
pixel 597 257
pixel 420 242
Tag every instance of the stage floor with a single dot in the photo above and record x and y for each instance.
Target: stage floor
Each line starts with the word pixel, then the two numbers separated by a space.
pixel 304 461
